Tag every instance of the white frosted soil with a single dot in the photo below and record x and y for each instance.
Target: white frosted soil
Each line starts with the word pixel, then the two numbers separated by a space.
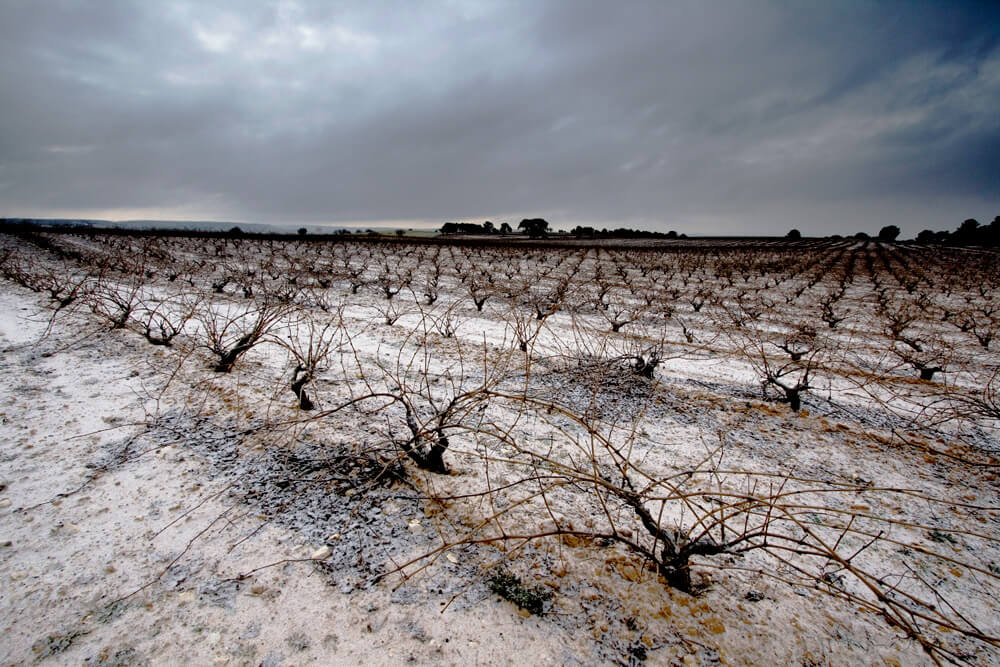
pixel 84 552
pixel 153 511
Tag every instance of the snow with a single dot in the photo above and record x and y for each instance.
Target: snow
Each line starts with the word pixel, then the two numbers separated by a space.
pixel 156 511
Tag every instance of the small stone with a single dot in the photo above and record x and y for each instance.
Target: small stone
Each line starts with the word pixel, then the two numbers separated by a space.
pixel 321 553
pixel 214 637
pixel 252 631
pixel 452 558
pixel 4 502
pixel 273 660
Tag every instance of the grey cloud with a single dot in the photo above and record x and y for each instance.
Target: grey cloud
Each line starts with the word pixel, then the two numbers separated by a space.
pixel 751 115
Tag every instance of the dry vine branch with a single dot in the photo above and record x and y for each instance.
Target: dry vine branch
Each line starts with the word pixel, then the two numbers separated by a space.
pixel 229 330
pixel 311 339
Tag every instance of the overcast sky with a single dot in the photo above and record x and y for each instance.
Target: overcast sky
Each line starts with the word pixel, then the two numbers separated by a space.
pixel 703 116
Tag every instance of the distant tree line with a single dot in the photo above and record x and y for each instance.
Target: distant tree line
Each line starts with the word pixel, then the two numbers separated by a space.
pixel 622 233
pixel 488 227
pixel 539 228
pixel 475 228
pixel 969 232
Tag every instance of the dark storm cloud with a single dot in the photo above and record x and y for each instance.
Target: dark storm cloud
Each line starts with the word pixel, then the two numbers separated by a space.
pixel 704 117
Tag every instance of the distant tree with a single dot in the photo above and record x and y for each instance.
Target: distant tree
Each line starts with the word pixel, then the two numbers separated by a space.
pixel 889 233
pixel 505 228
pixel 235 231
pixel 303 231
pixel 534 227
pixel 926 236
pixel 967 233
pixel 972 233
pixel 991 233
pixel 793 235
pixel 968 226
pixel 400 232
pixel 861 236
pixel 488 227
pixel 671 234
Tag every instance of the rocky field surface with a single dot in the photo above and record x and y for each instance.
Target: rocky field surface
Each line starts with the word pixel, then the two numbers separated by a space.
pixel 228 451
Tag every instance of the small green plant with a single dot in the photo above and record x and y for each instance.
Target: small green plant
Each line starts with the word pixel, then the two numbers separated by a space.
pixel 509 587
pixel 55 644
pixel 938 536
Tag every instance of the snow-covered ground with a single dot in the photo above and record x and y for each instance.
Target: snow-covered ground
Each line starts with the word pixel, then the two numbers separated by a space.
pixel 154 511
pixel 124 549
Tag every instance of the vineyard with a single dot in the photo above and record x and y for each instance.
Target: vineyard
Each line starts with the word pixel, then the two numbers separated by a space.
pixel 682 452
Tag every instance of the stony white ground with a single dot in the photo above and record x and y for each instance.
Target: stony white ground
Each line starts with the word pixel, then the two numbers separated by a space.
pixel 154 512
pixel 84 552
